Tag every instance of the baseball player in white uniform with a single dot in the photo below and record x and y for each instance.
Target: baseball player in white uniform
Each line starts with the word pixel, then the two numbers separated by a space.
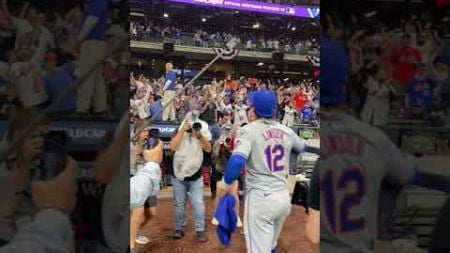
pixel 355 159
pixel 263 147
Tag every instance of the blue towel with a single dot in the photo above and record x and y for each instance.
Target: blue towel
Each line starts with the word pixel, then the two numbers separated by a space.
pixel 227 218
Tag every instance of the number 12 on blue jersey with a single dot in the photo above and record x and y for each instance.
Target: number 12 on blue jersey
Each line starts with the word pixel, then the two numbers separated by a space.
pixel 338 213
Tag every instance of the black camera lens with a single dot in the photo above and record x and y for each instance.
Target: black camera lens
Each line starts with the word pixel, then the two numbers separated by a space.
pixel 197 126
pixel 154 132
pixel 228 140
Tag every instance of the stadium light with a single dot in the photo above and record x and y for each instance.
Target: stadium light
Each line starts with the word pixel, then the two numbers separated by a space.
pixel 166 15
pixel 203 19
pixel 256 25
pixel 294 28
pixel 260 64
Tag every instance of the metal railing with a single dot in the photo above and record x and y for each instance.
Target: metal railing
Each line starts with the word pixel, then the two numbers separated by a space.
pixel 186 40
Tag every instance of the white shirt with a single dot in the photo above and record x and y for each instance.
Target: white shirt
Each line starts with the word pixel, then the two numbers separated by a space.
pixel 46 41
pixel 23 29
pixel 23 74
pixel 189 156
pixel 289 116
pixel 240 115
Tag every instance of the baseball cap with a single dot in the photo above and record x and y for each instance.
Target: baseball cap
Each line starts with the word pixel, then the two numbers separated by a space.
pixel 264 102
pixel 334 71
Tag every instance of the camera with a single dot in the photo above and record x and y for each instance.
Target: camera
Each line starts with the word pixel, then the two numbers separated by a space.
pixel 54 156
pixel 153 138
pixel 197 126
pixel 228 140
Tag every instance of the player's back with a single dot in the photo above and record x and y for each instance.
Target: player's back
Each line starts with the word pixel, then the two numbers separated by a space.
pixel 267 145
pixel 355 159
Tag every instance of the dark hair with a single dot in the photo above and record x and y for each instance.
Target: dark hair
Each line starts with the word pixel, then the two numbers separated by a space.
pixel 222 114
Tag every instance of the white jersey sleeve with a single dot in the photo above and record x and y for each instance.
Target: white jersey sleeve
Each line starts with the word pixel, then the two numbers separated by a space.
pixel 400 166
pixel 242 144
pixel 298 144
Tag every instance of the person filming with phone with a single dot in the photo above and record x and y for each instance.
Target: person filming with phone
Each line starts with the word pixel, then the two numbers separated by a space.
pixel 192 139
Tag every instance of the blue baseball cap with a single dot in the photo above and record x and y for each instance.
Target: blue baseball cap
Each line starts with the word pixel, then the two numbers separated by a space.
pixel 334 66
pixel 264 102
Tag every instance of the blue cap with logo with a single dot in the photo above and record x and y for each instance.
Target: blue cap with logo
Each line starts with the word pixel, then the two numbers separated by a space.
pixel 264 102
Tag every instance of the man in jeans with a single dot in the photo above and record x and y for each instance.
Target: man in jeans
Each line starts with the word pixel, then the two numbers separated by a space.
pixel 192 139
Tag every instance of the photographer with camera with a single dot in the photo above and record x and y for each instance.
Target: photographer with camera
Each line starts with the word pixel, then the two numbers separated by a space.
pixel 221 152
pixel 41 184
pixel 191 140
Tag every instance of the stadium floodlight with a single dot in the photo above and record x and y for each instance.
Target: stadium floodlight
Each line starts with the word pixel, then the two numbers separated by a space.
pixel 203 19
pixel 294 28
pixel 166 15
pixel 260 64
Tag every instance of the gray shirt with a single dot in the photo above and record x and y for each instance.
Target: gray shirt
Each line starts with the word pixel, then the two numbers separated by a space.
pixel 267 145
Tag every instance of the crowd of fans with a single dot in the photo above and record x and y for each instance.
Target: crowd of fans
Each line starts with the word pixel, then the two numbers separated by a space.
pixel 202 38
pixel 42 55
pixel 399 69
pixel 297 100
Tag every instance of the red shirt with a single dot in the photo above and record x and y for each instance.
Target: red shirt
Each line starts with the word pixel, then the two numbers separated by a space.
pixel 403 71
pixel 300 100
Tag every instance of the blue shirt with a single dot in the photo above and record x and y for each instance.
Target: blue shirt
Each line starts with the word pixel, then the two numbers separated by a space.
pixel 421 92
pixel 57 82
pixel 98 8
pixel 156 109
pixel 307 113
pixel 171 76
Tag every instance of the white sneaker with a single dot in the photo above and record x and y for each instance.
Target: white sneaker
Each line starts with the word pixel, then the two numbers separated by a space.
pixel 141 239
pixel 215 222
pixel 239 223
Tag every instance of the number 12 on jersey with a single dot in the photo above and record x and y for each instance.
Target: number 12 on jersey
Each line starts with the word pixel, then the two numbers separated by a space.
pixel 340 198
pixel 275 157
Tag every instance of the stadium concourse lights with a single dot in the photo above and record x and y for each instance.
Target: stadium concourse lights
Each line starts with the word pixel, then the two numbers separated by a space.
pixel 294 28
pixel 166 15
pixel 203 20
pixel 256 25
pixel 260 64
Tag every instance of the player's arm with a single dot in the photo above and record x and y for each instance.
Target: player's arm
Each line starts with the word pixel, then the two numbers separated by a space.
pixel 299 146
pixel 238 159
pixel 404 170
pixel 312 226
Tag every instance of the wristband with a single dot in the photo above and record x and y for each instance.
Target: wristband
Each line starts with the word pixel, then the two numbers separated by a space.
pixel 222 185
